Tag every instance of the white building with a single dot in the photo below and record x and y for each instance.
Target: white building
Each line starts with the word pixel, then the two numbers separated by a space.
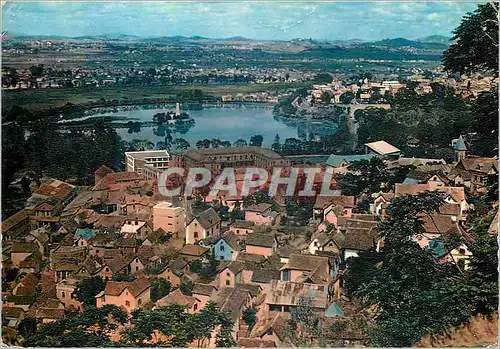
pixel 137 161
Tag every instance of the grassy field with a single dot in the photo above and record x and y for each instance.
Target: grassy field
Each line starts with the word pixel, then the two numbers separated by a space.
pixel 40 99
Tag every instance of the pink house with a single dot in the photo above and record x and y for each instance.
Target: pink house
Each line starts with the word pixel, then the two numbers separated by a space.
pixel 206 224
pixel 259 214
pixel 241 228
pixel 324 204
pixel 192 303
pixel 231 275
pixel 203 292
pixel 264 244
pixel 128 295
pixel 264 277
pixel 306 268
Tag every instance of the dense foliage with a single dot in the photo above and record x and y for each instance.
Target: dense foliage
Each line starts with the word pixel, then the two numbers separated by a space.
pixel 159 288
pixel 87 289
pixel 173 326
pixel 91 328
pixel 412 291
pixel 475 46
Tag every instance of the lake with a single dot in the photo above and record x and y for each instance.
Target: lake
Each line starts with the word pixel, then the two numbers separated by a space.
pixel 225 123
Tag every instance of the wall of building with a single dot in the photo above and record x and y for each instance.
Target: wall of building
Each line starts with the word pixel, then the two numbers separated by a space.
pixel 170 219
pixel 259 218
pixel 223 251
pixel 260 250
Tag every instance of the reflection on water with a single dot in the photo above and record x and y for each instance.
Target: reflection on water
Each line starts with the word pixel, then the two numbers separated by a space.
pixel 224 123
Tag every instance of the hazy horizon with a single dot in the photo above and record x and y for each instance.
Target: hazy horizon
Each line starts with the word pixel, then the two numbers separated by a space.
pixel 367 21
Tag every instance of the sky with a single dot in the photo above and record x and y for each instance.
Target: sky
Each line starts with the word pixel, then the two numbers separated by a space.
pixel 255 20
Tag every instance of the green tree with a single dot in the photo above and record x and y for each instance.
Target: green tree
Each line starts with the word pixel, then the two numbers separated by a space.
pixel 240 143
pixel 485 111
pixel 480 287
pixel 346 97
pixel 187 288
pixel 365 175
pixel 304 325
pixel 323 78
pixel 123 277
pixel 215 143
pixel 91 328
pixel 326 97
pixel 181 143
pixel 87 289
pixel 413 291
pixel 256 141
pixel 224 336
pixel 250 316
pixel 27 327
pixel 159 288
pixel 276 146
pixel 475 43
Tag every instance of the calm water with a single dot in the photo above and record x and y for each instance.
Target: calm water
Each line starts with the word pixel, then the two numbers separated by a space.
pixel 225 123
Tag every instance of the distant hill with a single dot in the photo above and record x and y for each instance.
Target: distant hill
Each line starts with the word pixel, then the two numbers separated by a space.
pixel 238 38
pixel 433 42
pixel 402 42
pixel 439 39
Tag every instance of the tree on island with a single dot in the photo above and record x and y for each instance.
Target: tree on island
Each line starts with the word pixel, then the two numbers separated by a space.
pixel 226 144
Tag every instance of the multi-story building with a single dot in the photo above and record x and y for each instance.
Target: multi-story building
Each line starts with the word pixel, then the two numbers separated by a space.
pixel 219 158
pixel 170 218
pixel 148 163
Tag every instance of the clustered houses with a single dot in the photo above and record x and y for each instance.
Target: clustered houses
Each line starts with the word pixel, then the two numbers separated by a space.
pixel 123 229
pixel 365 91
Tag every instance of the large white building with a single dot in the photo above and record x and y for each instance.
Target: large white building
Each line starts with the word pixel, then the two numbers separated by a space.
pixel 147 162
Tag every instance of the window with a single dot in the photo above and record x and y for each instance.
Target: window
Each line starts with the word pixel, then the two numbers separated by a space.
pixel 127 304
pixel 237 231
pixel 139 302
pixel 461 251
pixel 136 268
pixel 228 274
pixel 168 277
pixel 63 294
pixel 107 269
pixel 286 275
pixel 222 248
pixel 228 282
pixel 195 235
pixel 195 307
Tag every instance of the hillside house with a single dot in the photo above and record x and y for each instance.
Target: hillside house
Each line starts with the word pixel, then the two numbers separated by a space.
pixel 206 224
pixel 128 295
